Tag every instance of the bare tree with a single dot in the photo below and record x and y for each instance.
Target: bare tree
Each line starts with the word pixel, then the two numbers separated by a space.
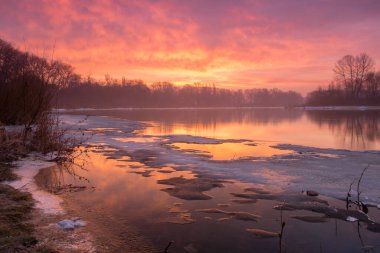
pixel 351 72
pixel 28 84
pixel 373 85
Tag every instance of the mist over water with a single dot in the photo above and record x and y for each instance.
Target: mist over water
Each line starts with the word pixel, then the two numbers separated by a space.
pixel 352 130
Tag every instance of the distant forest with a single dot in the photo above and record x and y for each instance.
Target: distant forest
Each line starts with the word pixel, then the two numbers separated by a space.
pixel 26 78
pixel 130 93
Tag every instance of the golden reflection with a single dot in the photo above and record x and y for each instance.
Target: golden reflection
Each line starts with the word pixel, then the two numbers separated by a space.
pixel 230 151
pixel 303 132
pixel 354 130
pixel 117 186
pixel 137 139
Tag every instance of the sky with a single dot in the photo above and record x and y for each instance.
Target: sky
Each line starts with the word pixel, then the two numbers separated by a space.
pixel 286 44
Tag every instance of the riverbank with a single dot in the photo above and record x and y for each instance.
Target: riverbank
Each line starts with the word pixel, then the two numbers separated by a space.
pixel 15 215
pixel 29 215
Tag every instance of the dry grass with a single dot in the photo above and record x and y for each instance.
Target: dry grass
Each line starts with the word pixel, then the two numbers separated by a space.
pixel 16 229
pixel 46 136
pixel 6 173
pixel 15 214
pixel 11 145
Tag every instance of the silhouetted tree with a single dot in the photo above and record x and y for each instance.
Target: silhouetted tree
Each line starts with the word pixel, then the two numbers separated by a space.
pixel 355 83
pixel 28 84
pixel 352 71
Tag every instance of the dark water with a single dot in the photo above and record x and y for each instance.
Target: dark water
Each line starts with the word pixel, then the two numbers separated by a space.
pixel 130 200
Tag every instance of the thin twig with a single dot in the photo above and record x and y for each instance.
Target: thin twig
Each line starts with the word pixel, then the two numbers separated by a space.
pixel 358 186
pixel 282 227
pixel 349 194
pixel 167 247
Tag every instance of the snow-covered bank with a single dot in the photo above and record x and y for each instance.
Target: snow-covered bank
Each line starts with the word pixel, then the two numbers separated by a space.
pixel 49 211
pixel 26 170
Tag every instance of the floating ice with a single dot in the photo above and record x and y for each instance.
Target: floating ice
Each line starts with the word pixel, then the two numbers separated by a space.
pixel 352 219
pixel 71 224
pixel 262 233
pixel 190 248
pixel 330 175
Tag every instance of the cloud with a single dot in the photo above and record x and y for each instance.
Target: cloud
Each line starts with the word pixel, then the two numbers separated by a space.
pixel 233 43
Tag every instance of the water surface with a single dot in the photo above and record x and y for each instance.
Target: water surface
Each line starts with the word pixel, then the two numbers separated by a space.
pixel 132 204
pixel 353 130
pixel 124 200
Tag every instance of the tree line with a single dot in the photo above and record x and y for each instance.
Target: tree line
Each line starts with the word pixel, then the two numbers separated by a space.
pixel 135 93
pixel 356 82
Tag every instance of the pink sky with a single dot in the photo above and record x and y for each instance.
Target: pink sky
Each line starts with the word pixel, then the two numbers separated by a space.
pixel 288 44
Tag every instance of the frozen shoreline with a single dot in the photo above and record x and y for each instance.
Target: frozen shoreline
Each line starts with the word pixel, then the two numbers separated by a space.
pixel 26 170
pixel 48 209
pixel 328 171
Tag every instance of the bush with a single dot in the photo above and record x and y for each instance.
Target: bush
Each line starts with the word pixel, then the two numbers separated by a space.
pixel 24 100
pixel 28 85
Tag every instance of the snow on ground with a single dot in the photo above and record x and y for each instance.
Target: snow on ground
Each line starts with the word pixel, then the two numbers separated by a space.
pixel 49 209
pixel 26 170
pixel 328 171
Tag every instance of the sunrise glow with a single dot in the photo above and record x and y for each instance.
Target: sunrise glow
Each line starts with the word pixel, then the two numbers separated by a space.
pixel 234 44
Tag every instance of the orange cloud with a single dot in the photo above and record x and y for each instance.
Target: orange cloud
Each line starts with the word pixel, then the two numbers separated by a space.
pixel 241 44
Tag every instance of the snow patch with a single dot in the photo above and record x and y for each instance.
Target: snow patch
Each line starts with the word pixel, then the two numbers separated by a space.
pixel 26 170
pixel 351 219
pixel 72 223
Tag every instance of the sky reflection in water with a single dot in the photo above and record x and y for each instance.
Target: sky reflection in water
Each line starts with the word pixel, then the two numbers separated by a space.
pixel 131 200
pixel 354 130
